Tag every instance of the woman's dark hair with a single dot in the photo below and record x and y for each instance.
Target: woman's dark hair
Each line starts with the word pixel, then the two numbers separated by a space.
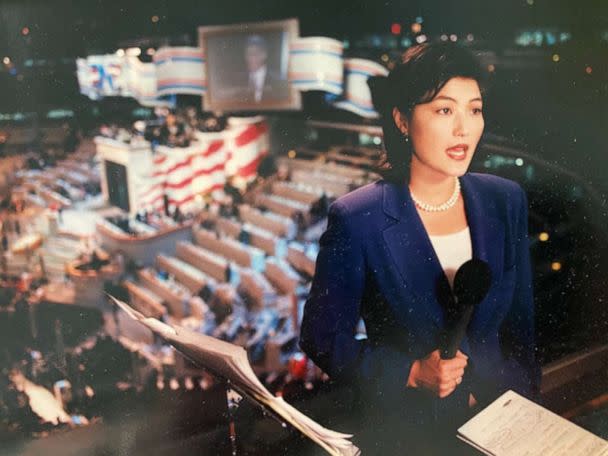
pixel 422 73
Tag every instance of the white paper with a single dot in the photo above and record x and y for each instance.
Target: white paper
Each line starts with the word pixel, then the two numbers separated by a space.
pixel 515 426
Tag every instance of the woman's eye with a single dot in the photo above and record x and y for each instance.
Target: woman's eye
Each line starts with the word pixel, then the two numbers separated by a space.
pixel 477 110
pixel 444 111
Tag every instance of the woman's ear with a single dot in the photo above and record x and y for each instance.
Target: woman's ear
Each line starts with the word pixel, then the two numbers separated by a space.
pixel 400 121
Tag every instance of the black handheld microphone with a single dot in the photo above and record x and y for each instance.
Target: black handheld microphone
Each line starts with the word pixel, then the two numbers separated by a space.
pixel 471 285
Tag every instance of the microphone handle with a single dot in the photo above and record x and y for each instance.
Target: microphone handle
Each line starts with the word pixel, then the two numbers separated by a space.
pixel 456 334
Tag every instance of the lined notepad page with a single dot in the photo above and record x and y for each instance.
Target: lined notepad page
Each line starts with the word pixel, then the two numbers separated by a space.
pixel 515 426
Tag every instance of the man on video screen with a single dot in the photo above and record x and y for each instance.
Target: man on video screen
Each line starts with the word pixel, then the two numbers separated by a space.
pixel 263 83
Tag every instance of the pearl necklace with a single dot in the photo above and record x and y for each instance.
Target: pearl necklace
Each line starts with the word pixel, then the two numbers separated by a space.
pixel 441 207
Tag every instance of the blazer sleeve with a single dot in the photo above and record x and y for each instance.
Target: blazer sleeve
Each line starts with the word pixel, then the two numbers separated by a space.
pixel 332 312
pixel 521 370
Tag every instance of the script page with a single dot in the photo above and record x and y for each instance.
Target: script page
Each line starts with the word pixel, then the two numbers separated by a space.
pixel 515 426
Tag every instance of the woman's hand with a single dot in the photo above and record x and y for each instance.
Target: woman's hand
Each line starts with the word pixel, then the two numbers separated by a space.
pixel 440 376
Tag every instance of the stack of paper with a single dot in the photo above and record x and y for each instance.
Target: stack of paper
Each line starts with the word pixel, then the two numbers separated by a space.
pixel 231 363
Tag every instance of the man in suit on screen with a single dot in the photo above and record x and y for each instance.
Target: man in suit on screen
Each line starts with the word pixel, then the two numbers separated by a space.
pixel 263 83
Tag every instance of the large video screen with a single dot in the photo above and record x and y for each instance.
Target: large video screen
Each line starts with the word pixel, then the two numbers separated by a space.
pixel 247 66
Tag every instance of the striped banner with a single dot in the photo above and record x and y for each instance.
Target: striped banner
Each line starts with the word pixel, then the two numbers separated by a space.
pixel 180 70
pixel 184 172
pixel 249 143
pixel 357 96
pixel 316 63
pixel 141 82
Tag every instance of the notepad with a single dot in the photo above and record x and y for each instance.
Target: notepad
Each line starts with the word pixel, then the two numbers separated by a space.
pixel 515 426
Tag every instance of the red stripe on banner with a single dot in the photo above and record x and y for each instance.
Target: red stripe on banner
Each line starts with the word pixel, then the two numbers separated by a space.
pixel 214 187
pixel 213 147
pixel 251 167
pixel 179 165
pixel 182 201
pixel 250 134
pixel 182 184
pixel 213 169
pixel 189 179
pixel 159 160
pixel 191 197
pixel 188 198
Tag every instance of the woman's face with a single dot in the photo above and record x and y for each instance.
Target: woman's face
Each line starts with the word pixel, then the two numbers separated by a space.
pixel 444 132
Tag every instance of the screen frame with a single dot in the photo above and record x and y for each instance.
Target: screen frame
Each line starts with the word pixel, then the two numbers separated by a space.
pixel 292 102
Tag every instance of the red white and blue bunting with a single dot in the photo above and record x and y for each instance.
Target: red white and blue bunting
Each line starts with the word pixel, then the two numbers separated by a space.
pixel 316 63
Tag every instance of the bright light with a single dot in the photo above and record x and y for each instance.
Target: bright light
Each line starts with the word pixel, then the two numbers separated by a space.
pixel 444 37
pixel 25 31
pixel 377 141
pixel 291 154
pixel 420 39
pixel 530 2
pixel 556 266
pixel 151 51
pixel 491 68
pixel 134 51
pixel 120 53
pixel 155 19
pixel 453 37
pixel 416 27
pixel 6 60
pixel 588 70
pixel 384 58
pixel 470 37
pixel 396 29
pixel 543 237
pixel 555 57
pixel 519 162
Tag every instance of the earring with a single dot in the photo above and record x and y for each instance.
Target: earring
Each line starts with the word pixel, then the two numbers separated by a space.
pixel 406 137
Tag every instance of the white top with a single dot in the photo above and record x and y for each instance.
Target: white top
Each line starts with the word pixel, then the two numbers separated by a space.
pixel 452 250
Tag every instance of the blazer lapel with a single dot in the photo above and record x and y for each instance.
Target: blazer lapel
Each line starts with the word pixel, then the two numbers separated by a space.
pixel 487 238
pixel 414 255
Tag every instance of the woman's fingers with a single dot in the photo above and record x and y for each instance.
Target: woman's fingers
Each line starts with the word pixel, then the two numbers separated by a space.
pixel 459 354
pixel 445 389
pixel 451 366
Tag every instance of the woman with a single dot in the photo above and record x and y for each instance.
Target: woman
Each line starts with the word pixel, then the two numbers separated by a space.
pixel 389 255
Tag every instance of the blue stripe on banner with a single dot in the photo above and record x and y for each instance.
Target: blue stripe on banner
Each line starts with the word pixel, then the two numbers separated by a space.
pixel 181 86
pixel 362 73
pixel 179 59
pixel 315 81
pixel 332 54
pixel 358 106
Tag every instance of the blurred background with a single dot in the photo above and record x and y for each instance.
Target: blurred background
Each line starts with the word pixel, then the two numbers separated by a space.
pixel 210 218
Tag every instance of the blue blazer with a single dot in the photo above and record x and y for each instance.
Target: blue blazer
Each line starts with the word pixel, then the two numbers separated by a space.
pixel 376 262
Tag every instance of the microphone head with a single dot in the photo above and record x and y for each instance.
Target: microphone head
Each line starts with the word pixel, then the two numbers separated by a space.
pixel 472 282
